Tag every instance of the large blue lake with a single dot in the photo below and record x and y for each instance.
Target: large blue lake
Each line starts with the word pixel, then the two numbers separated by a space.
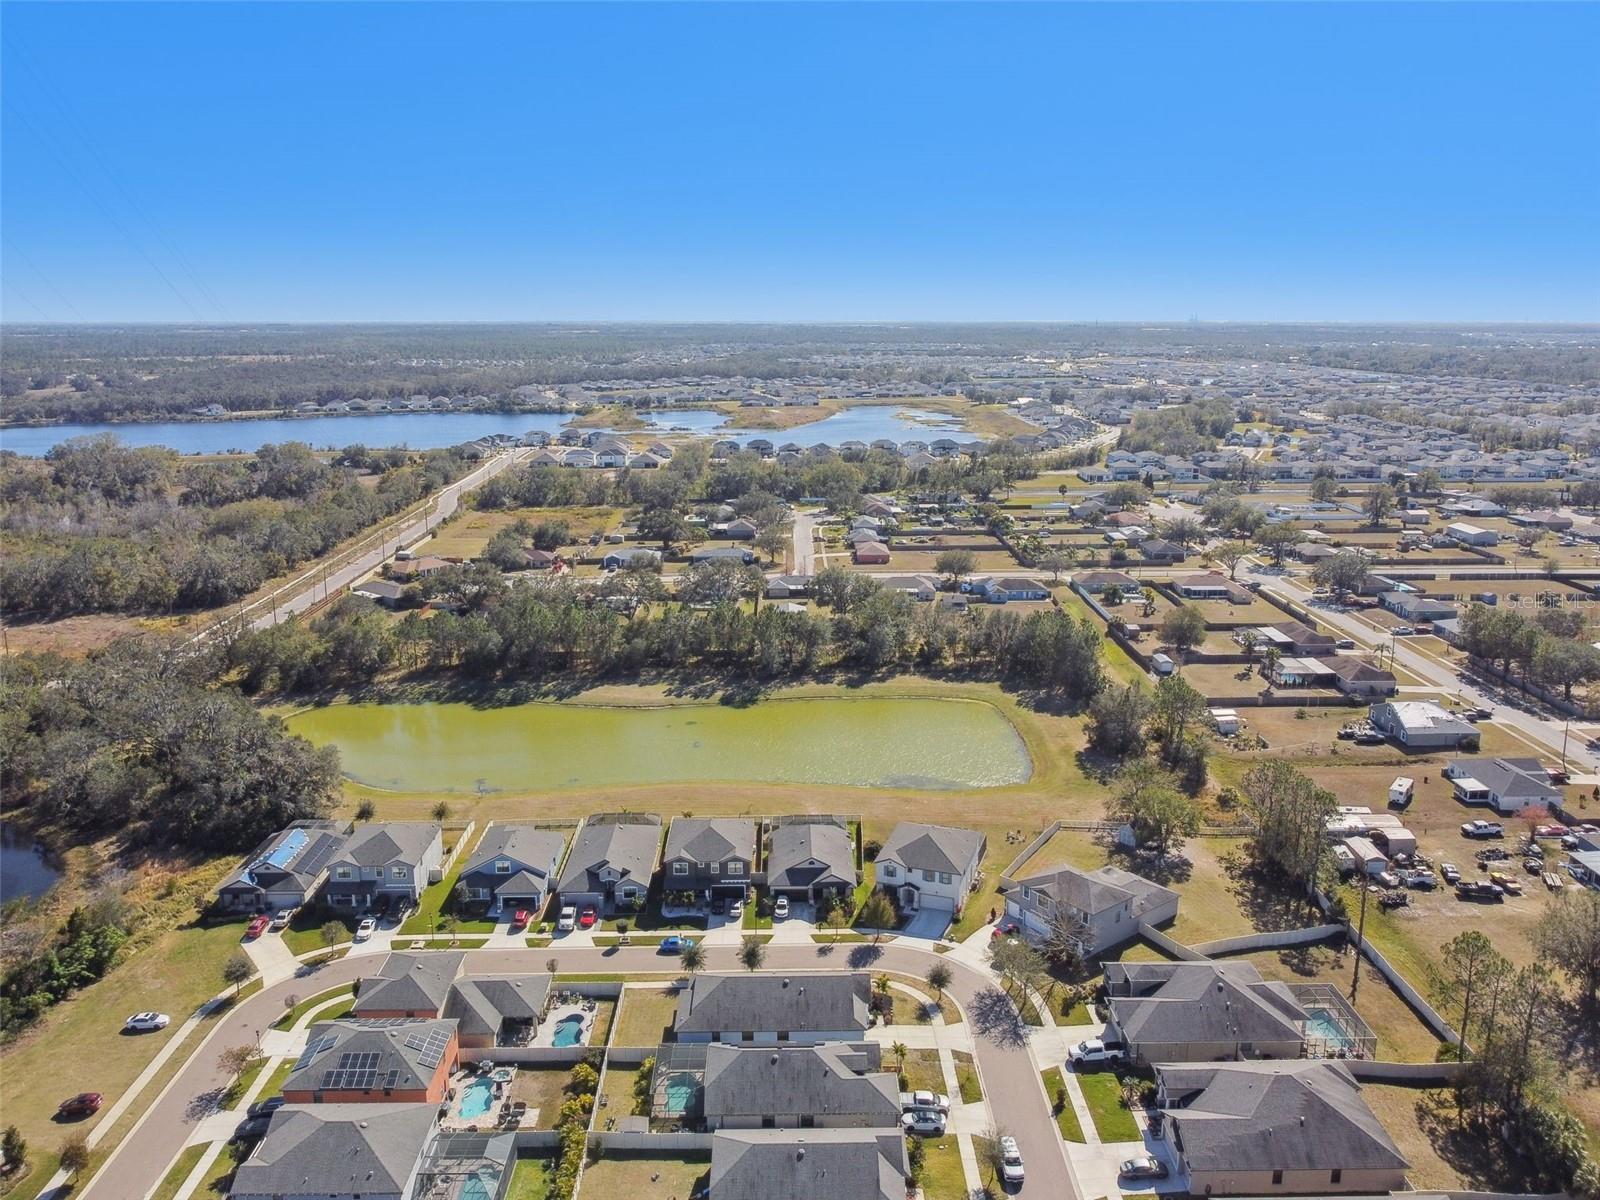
pixel 427 431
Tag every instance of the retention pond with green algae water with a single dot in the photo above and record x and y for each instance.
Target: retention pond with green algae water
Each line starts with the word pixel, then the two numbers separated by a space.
pixel 880 742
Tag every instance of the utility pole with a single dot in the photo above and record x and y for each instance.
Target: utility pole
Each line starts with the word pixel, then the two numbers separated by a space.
pixel 1361 941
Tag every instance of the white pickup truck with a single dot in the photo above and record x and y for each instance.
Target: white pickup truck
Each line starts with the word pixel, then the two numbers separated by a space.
pixel 1096 1052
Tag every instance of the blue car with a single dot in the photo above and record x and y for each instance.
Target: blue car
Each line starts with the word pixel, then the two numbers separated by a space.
pixel 675 944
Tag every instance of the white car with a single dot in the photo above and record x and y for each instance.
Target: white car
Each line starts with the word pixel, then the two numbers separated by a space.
pixel 281 919
pixel 780 907
pixel 368 927
pixel 1010 1160
pixel 1093 1050
pixel 736 910
pixel 936 1101
pixel 924 1121
pixel 568 920
pixel 146 1022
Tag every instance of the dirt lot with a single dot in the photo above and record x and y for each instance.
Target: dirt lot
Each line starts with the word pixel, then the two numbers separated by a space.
pixel 467 536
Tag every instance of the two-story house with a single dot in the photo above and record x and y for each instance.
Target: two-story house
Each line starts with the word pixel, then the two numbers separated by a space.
pixel 768 1010
pixel 611 862
pixel 709 858
pixel 806 859
pixel 513 866
pixel 930 866
pixel 1102 908
pixel 385 865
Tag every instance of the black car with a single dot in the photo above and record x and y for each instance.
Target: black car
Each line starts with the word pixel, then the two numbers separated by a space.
pixel 251 1128
pixel 1479 890
pixel 264 1108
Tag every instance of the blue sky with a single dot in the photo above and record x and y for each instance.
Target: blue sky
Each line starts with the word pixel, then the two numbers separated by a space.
pixel 813 162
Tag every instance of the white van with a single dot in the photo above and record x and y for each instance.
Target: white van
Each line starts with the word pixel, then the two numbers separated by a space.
pixel 1401 792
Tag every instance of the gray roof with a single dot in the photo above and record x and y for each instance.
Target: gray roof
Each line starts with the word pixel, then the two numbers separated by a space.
pixel 796 844
pixel 1286 1114
pixel 481 1003
pixel 1509 777
pixel 933 847
pixel 760 1002
pixel 831 1080
pixel 1099 890
pixel 525 845
pixel 336 1149
pixel 1202 1002
pixel 352 1054
pixel 811 1164
pixel 704 841
pixel 296 857
pixel 410 983
pixel 385 842
pixel 629 848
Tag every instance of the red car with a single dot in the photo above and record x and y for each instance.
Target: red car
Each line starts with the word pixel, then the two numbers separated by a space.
pixel 587 918
pixel 520 919
pixel 1004 929
pixel 84 1104
pixel 257 927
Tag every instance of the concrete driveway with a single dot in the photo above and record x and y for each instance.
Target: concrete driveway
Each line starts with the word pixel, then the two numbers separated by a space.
pixel 927 924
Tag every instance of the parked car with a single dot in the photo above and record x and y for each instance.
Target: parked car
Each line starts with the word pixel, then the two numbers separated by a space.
pixel 925 1122
pixel 568 921
pixel 84 1104
pixel 1551 831
pixel 1403 631
pixel 780 907
pixel 146 1022
pixel 1483 829
pixel 736 910
pixel 1341 644
pixel 280 919
pixel 1423 881
pixel 1095 1051
pixel 1451 872
pixel 588 917
pixel 368 927
pixel 1143 1167
pixel 520 919
pixel 251 1128
pixel 1003 929
pixel 1506 882
pixel 675 944
pixel 936 1101
pixel 1478 890
pixel 1010 1160
pixel 265 1108
pixel 256 928
pixel 1369 737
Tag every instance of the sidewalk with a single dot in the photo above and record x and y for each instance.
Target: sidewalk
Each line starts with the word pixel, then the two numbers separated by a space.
pixel 272 958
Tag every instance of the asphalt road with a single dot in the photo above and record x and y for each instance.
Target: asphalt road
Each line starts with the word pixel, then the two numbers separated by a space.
pixel 1005 1065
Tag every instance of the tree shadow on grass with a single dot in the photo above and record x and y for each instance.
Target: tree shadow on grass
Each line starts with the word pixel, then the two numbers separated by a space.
pixel 1267 900
pixel 1472 1151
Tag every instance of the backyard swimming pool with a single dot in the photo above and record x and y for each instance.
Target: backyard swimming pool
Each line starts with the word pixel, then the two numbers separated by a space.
pixel 1321 1026
pixel 679 1092
pixel 568 1031
pixel 477 1098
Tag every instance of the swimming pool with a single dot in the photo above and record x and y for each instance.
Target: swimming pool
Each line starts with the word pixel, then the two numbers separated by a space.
pixel 477 1098
pixel 1321 1026
pixel 568 1031
pixel 678 1093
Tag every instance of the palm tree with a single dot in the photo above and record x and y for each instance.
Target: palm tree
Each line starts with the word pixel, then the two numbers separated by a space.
pixel 693 957
pixel 899 1051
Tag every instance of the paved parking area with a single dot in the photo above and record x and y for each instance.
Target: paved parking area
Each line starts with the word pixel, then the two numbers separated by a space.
pixel 927 924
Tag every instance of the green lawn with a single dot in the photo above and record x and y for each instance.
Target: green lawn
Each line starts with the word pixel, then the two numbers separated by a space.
pixel 1103 1093
pixel 967 1078
pixel 1061 1105
pixel 530 1177
pixel 942 1176
pixel 179 1171
pixel 434 905
pixel 310 1002
pixel 647 1014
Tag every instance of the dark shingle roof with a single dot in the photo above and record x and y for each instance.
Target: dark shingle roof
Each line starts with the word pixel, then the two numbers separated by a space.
pixel 410 983
pixel 336 1149
pixel 811 1164
pixel 823 1080
pixel 799 1003
pixel 1099 890
pixel 1204 1002
pixel 933 847
pixel 701 840
pixel 524 845
pixel 795 844
pixel 627 847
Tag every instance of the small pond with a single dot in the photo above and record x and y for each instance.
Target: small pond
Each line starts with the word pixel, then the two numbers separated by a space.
pixel 25 869
pixel 868 742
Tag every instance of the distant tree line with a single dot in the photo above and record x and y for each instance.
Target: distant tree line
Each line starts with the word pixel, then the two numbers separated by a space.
pixel 97 526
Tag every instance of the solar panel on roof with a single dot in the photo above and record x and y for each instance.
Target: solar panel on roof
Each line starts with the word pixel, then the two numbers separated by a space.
pixel 313 1048
pixel 284 852
pixel 429 1045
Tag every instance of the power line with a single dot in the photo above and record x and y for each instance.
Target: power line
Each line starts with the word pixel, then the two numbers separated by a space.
pixel 106 212
pixel 71 120
pixel 48 282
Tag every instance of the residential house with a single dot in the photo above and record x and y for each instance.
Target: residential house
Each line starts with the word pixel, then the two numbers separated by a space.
pixel 1103 908
pixel 871 553
pixel 409 985
pixel 1422 725
pixel 418 568
pixel 353 1060
pixel 611 862
pixel 337 1152
pixel 1303 672
pixel 714 858
pixel 1476 507
pixel 1201 1011
pixel 284 871
pixel 1100 581
pixel 384 865
pixel 918 587
pixel 1210 585
pixel 1471 535
pixel 739 529
pixel 1507 785
pixel 497 1010
pixel 1276 1128
pixel 1293 637
pixel 1161 550
pixel 386 592
pixel 736 554
pixel 836 1085
pixel 1414 606
pixel 999 591
pixel 788 587
pixel 819 1164
pixel 769 1009
pixel 629 556
pixel 930 866
pixel 1358 677
pixel 514 866
pixel 1543 518
pixel 805 859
